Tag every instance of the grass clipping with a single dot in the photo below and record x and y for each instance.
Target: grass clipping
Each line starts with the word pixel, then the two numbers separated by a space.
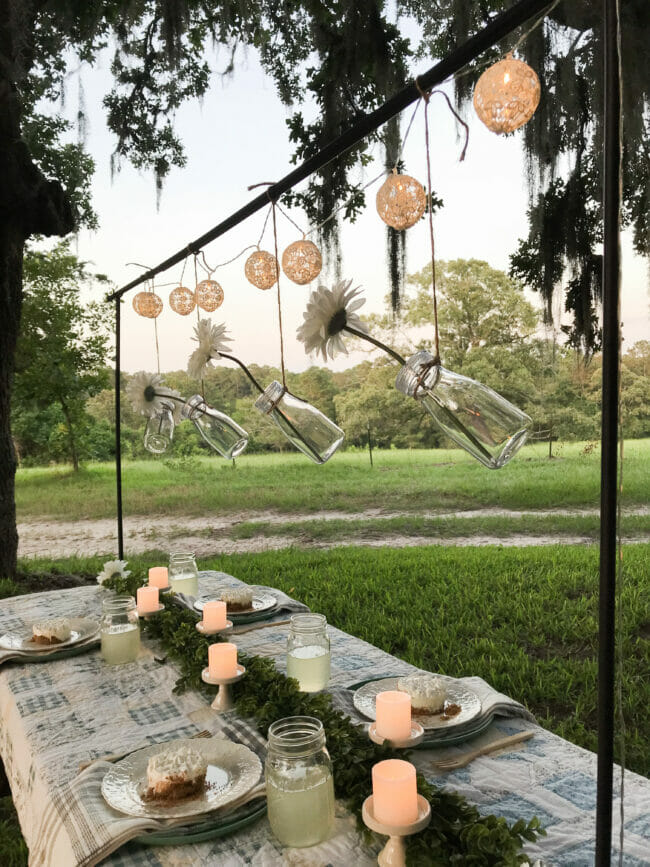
pixel 458 834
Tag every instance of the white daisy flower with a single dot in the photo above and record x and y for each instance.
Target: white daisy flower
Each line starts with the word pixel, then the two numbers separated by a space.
pixel 212 342
pixel 147 394
pixel 328 313
pixel 113 569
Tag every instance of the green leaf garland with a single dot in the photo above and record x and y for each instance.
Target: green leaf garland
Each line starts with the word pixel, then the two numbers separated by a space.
pixel 458 834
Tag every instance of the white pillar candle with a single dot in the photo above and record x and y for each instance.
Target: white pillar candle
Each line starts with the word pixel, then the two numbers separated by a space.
pixel 214 615
pixel 158 577
pixel 147 600
pixel 394 792
pixel 222 660
pixel 393 715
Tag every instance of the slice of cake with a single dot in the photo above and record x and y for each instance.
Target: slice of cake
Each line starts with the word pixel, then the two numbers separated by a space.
pixel 175 773
pixel 428 692
pixel 237 598
pixel 53 631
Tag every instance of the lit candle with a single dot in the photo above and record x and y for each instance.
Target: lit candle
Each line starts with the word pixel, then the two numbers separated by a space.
pixel 158 577
pixel 148 600
pixel 214 615
pixel 394 792
pixel 222 660
pixel 394 715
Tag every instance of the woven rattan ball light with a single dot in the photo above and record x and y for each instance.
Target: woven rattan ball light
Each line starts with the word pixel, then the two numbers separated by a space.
pixel 401 201
pixel 209 295
pixel 302 262
pixel 506 95
pixel 147 304
pixel 181 300
pixel 261 269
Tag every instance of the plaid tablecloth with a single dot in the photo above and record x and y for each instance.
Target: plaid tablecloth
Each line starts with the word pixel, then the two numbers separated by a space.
pixel 60 713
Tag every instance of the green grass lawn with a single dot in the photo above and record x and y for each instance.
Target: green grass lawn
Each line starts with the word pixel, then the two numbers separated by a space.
pixel 526 620
pixel 406 480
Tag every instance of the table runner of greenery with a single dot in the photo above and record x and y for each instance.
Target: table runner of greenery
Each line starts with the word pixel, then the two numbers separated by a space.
pixel 458 833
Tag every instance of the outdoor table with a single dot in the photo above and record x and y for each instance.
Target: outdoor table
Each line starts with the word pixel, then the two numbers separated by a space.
pixel 57 714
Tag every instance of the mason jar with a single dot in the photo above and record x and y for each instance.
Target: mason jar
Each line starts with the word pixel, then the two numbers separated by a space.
pixel 299 782
pixel 120 630
pixel 160 431
pixel 218 430
pixel 306 427
pixel 308 651
pixel 183 573
pixel 478 419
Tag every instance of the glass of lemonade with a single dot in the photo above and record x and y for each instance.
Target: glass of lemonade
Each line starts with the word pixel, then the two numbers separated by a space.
pixel 183 574
pixel 120 630
pixel 299 782
pixel 308 651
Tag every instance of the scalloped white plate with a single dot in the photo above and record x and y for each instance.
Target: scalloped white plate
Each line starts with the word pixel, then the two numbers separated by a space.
pixel 81 628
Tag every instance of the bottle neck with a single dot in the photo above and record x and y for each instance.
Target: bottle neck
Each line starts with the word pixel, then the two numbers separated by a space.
pixel 118 605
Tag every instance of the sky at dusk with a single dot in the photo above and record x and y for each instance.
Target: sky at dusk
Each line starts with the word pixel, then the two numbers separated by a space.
pixel 238 137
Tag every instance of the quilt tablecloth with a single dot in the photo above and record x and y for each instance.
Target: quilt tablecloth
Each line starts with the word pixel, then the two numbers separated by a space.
pixel 60 713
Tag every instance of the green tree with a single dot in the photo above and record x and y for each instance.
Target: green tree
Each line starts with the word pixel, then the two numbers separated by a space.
pixel 62 350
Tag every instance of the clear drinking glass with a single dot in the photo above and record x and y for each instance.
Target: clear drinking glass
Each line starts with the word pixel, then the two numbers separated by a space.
pixel 306 427
pixel 120 630
pixel 299 782
pixel 183 573
pixel 482 422
pixel 308 651
pixel 159 431
pixel 217 429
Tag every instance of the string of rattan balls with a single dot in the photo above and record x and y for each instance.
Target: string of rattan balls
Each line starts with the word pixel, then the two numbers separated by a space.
pixel 181 300
pixel 147 304
pixel 506 95
pixel 401 201
pixel 261 269
pixel 302 262
pixel 209 295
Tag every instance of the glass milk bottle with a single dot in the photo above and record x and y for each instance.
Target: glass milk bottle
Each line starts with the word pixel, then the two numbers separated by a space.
pixel 160 431
pixel 217 429
pixel 183 574
pixel 308 651
pixel 299 782
pixel 120 630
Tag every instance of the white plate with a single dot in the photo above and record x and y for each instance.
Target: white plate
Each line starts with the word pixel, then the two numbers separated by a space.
pixel 261 602
pixel 470 703
pixel 81 628
pixel 233 770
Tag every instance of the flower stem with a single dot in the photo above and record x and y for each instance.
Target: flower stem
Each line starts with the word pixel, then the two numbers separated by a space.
pixel 378 343
pixel 245 369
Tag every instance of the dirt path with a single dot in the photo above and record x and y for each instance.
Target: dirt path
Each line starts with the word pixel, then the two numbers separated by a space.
pixel 211 535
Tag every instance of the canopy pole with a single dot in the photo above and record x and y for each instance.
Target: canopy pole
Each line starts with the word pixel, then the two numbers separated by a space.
pixel 612 149
pixel 118 432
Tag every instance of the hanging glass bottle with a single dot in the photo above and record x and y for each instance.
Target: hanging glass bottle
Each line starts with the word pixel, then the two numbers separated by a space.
pixel 217 429
pixel 303 425
pixel 476 418
pixel 160 430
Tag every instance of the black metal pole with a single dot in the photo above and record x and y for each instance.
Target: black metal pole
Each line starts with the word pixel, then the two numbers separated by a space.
pixel 609 477
pixel 502 25
pixel 118 434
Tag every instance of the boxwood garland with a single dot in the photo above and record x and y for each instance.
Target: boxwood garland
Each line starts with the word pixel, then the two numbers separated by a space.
pixel 458 833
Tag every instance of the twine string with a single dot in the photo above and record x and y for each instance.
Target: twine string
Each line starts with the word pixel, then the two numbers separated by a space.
pixel 277 272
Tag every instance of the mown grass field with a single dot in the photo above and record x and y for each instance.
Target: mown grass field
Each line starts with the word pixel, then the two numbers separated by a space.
pixel 524 619
pixel 412 481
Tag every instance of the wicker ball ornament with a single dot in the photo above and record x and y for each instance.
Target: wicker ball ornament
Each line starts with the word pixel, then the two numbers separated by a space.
pixel 209 295
pixel 302 262
pixel 401 201
pixel 506 95
pixel 181 300
pixel 261 269
pixel 147 304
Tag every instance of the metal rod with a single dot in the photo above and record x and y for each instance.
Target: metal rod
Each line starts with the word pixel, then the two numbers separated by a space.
pixel 609 432
pixel 118 433
pixel 502 25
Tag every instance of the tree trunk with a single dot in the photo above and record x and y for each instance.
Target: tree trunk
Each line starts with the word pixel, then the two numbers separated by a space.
pixel 73 445
pixel 11 272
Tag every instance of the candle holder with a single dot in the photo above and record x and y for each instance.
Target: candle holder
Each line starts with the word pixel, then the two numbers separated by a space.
pixel 201 628
pixel 149 614
pixel 394 852
pixel 417 735
pixel 223 699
